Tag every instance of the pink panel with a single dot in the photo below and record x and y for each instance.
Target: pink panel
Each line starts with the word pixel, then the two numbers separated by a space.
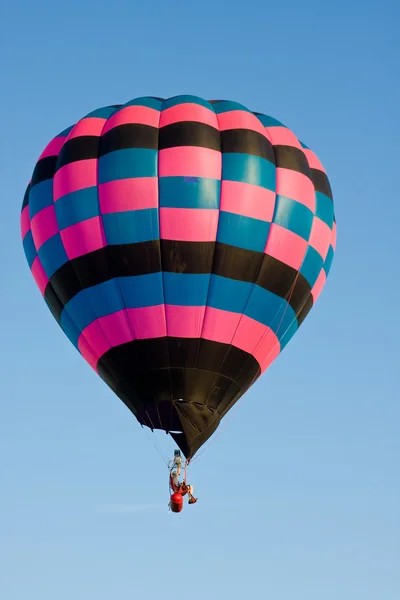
pixel 88 353
pixel 189 224
pixel 120 328
pixel 133 114
pixel 281 136
pixel 94 337
pixel 83 237
pixel 313 160
pixel 255 338
pixel 54 147
pixel 25 222
pixel 334 233
pixel 296 186
pixel 39 275
pixel 318 285
pixel 75 176
pixel 243 332
pixel 184 321
pixel 148 322
pixel 247 200
pixel 188 112
pixel 240 119
pixel 128 194
pixel 320 237
pixel 189 161
pixel 117 328
pixel 88 126
pixel 286 246
pixel 44 225
pixel 219 325
pixel 272 354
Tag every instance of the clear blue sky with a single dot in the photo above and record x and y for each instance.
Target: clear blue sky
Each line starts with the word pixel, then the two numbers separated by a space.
pixel 83 493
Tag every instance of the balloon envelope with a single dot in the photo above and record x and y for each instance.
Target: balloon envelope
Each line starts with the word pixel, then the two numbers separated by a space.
pixel 179 244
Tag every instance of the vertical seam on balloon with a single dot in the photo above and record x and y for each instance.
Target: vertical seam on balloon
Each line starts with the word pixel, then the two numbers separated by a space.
pixel 114 279
pixel 293 285
pixel 103 234
pixel 76 274
pixel 268 331
pixel 36 249
pixel 30 221
pixel 58 233
pixel 231 344
pixel 214 251
pixel 161 261
pixel 322 268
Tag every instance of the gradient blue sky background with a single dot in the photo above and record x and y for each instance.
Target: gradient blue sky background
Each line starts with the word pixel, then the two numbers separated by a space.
pixel 83 493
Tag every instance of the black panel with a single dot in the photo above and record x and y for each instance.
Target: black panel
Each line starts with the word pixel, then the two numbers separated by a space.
pixel 44 169
pixel 288 157
pixel 187 257
pixel 78 148
pixel 127 361
pixel 102 265
pixel 130 135
pixel 278 278
pixel 169 385
pixel 321 182
pixel 26 197
pixel 246 141
pixel 190 133
pixel 305 310
pixel 178 257
pixel 236 263
pixel 53 302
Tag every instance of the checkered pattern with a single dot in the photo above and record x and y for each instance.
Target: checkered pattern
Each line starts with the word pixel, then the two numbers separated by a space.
pixel 178 224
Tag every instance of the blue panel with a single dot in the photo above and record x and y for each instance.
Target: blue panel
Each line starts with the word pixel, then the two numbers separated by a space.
pixel 286 335
pixel 106 298
pixel 79 310
pixel 227 106
pixel 40 196
pixel 293 216
pixel 328 260
pixel 324 208
pixel 130 227
pixel 185 99
pixel 270 121
pixel 271 310
pixel 91 303
pixel 66 132
pixel 70 329
pixel 127 163
pixel 29 248
pixel 183 289
pixel 102 113
pixel 312 265
pixel 145 101
pixel 77 206
pixel 228 294
pixel 52 255
pixel 249 169
pixel 142 290
pixel 189 192
pixel 243 232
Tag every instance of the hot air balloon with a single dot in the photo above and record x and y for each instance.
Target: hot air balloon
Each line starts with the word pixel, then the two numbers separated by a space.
pixel 179 243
